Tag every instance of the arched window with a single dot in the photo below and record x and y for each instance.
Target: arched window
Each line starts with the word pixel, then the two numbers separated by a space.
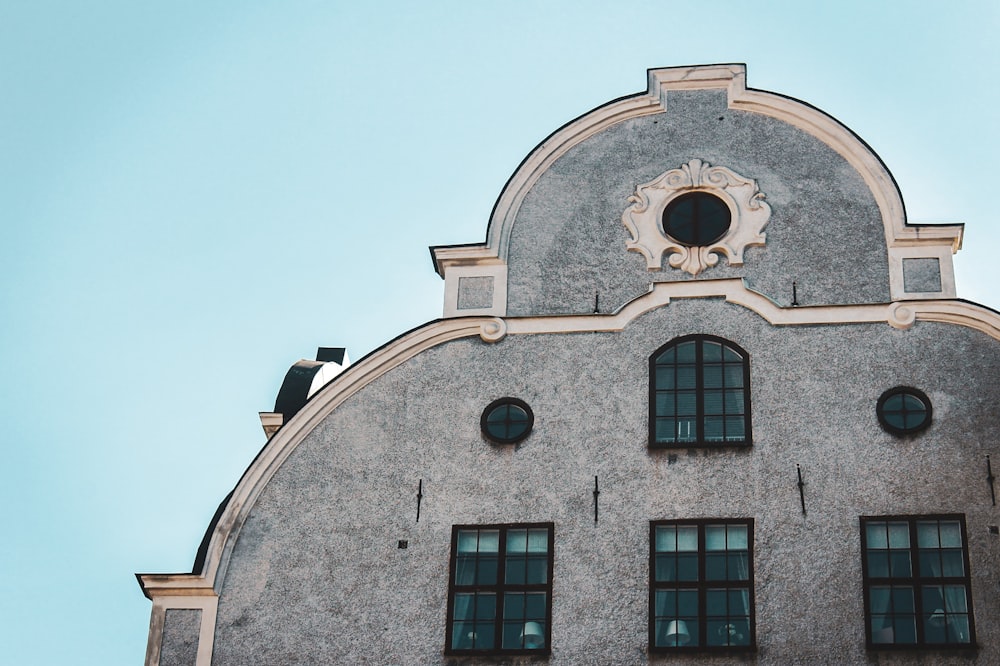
pixel 699 393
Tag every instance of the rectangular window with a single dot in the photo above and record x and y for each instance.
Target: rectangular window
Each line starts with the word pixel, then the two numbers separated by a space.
pixel 916 579
pixel 701 585
pixel 500 590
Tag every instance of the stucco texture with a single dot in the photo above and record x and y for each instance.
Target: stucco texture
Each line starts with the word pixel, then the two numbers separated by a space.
pixel 316 577
pixel 567 242
pixel 180 637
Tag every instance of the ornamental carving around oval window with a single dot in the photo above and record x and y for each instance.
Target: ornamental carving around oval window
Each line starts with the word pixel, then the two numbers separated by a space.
pixel 642 218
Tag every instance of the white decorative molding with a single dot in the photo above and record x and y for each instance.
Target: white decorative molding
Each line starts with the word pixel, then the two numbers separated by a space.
pixel 941 250
pixel 180 592
pixel 749 215
pixel 732 79
pixel 177 590
pixel 454 271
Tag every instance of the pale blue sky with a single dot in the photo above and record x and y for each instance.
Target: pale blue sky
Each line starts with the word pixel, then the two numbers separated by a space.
pixel 191 194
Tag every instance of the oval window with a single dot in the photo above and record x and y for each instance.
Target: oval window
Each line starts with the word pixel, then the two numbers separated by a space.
pixel 507 421
pixel 696 218
pixel 904 410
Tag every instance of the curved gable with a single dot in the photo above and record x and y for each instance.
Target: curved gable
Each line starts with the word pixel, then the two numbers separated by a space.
pixel 556 243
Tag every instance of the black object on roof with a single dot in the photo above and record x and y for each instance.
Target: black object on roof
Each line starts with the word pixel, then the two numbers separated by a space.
pixel 294 390
pixel 331 355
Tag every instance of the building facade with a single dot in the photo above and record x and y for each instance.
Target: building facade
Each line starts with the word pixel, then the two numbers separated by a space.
pixel 702 396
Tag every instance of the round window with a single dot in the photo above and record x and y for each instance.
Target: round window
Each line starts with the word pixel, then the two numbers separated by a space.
pixel 507 421
pixel 696 218
pixel 903 410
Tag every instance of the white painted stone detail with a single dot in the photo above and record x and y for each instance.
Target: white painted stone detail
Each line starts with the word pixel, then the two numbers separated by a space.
pixel 642 218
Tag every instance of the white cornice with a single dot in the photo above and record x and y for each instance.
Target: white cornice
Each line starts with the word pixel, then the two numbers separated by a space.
pixel 901 315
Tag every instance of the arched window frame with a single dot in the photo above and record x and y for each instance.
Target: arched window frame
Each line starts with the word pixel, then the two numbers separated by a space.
pixel 700 392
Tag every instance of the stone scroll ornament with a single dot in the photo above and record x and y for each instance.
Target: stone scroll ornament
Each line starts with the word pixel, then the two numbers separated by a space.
pixel 749 216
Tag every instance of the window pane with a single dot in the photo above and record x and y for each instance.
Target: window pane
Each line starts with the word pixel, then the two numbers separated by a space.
pixel 465 607
pixel 738 566
pixel 517 541
pixel 666 603
pixel 486 571
pixel 952 563
pixel 878 564
pixel 899 564
pixel 465 570
pixel 687 430
pixel 711 351
pixel 665 404
pixel 954 599
pixel 686 377
pixel 513 606
pixel 904 630
pixel 489 541
pixel 534 606
pixel 687 403
pixel 715 566
pixel 468 541
pixel 485 637
pixel 686 352
pixel 665 377
pixel 731 355
pixel 687 603
pixel 713 403
pixel 734 376
pixel 666 430
pixel 899 535
pixel 714 429
pixel 734 402
pixel 687 567
pixel 515 571
pixel 878 599
pixel 951 534
pixel 687 538
pixel 902 600
pixel 666 539
pixel 538 541
pixel 735 428
pixel 716 603
pixel 712 376
pixel 876 535
pixel 927 535
pixel 737 536
pixel 715 537
pixel 537 572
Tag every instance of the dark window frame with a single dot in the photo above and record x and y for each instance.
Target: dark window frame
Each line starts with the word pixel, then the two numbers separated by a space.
pixel 502 402
pixel 701 441
pixel 499 589
pixel 702 585
pixel 918 580
pixel 904 390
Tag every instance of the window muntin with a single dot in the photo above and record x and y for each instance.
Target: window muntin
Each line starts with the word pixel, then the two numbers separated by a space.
pixel 904 410
pixel 507 421
pixel 696 218
pixel 916 580
pixel 500 593
pixel 699 393
pixel 701 585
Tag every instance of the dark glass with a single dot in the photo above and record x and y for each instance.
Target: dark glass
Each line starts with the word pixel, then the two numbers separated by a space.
pixel 696 218
pixel 903 410
pixel 507 420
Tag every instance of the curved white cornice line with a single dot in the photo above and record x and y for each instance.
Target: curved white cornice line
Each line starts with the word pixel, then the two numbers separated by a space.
pixel 901 315
pixel 732 79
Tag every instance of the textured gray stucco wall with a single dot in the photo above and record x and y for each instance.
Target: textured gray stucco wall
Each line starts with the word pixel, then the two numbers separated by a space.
pixel 475 292
pixel 825 232
pixel 316 576
pixel 180 638
pixel 922 275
